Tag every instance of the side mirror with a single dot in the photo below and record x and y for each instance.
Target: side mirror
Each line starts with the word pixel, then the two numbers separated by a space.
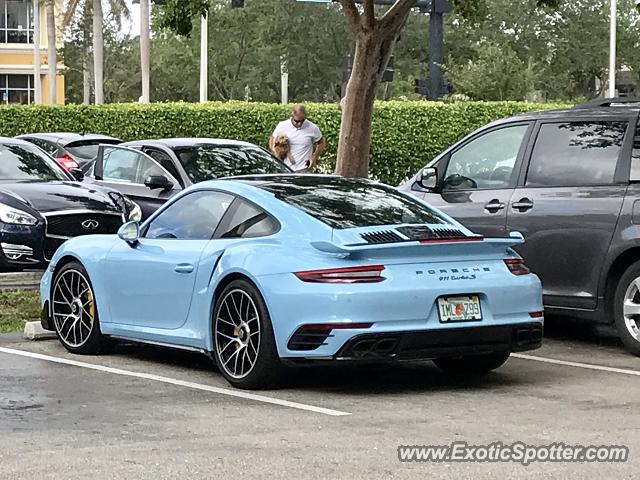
pixel 130 233
pixel 77 174
pixel 428 178
pixel 155 182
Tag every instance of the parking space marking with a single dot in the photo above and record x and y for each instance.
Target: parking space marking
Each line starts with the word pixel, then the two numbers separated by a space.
pixel 588 366
pixel 180 383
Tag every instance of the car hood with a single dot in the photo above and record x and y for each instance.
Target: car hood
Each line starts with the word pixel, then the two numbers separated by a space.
pixel 55 196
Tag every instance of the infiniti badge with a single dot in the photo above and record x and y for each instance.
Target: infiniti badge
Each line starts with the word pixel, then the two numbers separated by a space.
pixel 90 224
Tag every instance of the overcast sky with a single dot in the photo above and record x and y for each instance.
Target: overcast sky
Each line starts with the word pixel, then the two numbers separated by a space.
pixel 134 26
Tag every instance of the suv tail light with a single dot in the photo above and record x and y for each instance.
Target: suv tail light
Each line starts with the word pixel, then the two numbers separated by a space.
pixel 517 266
pixel 370 274
pixel 67 162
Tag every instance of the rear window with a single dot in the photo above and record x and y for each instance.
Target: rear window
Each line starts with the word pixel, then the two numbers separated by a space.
pixel 347 203
pixel 88 149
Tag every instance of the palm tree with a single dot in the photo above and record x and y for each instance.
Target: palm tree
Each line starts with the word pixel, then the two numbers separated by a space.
pixel 52 57
pixel 98 52
pixel 144 48
pixel 92 13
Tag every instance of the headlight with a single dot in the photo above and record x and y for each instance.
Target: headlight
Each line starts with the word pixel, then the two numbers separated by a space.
pixel 14 216
pixel 136 213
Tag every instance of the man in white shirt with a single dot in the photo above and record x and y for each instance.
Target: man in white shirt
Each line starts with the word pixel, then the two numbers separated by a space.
pixel 306 142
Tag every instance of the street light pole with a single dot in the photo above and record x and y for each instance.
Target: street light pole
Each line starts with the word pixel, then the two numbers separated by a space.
pixel 612 49
pixel 204 60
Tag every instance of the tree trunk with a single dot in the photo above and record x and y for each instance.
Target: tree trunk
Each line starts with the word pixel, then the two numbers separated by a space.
pixel 86 79
pixel 98 52
pixel 86 53
pixel 52 57
pixel 375 39
pixel 37 58
pixel 144 48
pixel 354 141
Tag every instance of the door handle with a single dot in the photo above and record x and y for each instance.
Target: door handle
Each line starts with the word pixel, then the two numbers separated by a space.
pixel 494 206
pixel 523 205
pixel 184 268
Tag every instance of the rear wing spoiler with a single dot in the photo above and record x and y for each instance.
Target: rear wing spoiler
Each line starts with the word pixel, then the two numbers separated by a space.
pixel 425 247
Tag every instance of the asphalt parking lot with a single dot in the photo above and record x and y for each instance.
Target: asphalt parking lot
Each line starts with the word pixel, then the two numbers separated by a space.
pixel 144 412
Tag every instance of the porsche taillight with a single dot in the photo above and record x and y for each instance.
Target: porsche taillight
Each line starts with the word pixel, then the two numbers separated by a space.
pixel 517 266
pixel 365 274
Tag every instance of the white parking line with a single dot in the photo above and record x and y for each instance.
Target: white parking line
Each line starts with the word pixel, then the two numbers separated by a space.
pixel 588 366
pixel 180 383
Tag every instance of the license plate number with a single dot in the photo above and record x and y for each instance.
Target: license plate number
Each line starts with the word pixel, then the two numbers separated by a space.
pixel 459 309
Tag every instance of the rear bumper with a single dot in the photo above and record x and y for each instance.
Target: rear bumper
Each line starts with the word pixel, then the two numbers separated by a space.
pixel 441 343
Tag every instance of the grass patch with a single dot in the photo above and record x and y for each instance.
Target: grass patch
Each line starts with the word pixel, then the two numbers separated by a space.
pixel 18 307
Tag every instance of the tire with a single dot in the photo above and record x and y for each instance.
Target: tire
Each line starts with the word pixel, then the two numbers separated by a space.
pixel 74 312
pixel 244 346
pixel 626 302
pixel 472 364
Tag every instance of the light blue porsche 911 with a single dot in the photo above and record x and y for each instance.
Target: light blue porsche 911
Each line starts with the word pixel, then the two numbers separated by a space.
pixel 267 271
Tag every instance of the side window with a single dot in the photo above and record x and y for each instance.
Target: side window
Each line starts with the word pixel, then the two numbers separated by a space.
pixel 120 165
pixel 163 159
pixel 248 221
pixel 124 165
pixel 576 154
pixel 193 217
pixel 487 162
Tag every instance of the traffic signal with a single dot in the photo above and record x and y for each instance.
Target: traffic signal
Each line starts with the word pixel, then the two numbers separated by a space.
pixel 237 3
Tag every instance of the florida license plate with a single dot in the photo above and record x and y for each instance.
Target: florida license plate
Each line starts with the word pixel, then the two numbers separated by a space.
pixel 459 309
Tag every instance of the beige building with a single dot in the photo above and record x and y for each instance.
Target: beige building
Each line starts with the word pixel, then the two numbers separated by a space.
pixel 17 57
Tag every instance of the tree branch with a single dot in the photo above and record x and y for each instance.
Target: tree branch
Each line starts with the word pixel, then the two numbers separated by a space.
pixel 369 15
pixel 396 16
pixel 352 14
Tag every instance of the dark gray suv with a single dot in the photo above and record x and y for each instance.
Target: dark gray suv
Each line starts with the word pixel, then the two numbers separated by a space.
pixel 569 180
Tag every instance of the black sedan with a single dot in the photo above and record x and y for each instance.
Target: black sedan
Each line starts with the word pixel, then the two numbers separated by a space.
pixel 152 171
pixel 41 206
pixel 71 150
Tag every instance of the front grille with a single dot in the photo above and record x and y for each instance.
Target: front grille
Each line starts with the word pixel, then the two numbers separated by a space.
pixel 383 236
pixel 86 223
pixel 427 233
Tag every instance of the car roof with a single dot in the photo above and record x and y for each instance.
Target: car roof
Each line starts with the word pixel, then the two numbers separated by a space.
pixel 64 138
pixel 189 142
pixel 14 141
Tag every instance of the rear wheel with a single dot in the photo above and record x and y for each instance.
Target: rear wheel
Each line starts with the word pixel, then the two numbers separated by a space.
pixel 74 312
pixel 243 342
pixel 472 364
pixel 626 309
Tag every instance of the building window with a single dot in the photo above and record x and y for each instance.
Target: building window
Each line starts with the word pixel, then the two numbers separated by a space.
pixel 16 89
pixel 16 21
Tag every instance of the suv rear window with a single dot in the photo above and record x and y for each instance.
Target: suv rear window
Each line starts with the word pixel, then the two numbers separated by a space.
pixel 349 203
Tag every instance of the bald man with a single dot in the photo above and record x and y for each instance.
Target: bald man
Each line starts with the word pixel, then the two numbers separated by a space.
pixel 305 140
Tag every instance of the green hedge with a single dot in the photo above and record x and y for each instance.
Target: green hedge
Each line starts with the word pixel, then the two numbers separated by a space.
pixel 406 135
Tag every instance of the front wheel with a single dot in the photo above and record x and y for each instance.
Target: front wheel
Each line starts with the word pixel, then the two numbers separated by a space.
pixel 626 309
pixel 243 341
pixel 74 312
pixel 472 364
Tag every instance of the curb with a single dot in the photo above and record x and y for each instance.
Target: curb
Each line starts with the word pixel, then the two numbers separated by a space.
pixel 34 331
pixel 20 280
